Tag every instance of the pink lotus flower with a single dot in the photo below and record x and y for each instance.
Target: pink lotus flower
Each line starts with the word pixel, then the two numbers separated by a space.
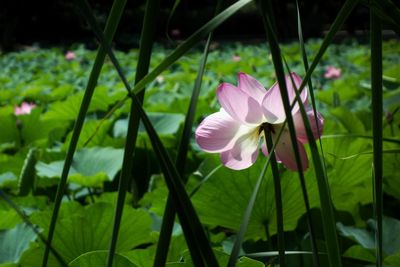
pixel 236 58
pixel 70 55
pixel 25 108
pixel 332 73
pixel 236 131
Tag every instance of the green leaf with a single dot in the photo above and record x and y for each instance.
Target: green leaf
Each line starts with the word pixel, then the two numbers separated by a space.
pixel 99 258
pixel 82 230
pixel 350 180
pixel 9 132
pixel 164 124
pixel 27 176
pixel 360 253
pixel 393 260
pixel 34 128
pixel 349 120
pixel 94 133
pixel 366 238
pixel 361 236
pixel 90 167
pixel 14 242
pixel 222 200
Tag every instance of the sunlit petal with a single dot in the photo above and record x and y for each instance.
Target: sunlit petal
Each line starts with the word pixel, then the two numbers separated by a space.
pixel 216 132
pixel 244 152
pixel 316 125
pixel 239 105
pixel 285 152
pixel 251 87
pixel 272 103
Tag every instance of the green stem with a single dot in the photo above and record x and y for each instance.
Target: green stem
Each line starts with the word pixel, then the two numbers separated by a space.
pixel 376 85
pixel 146 45
pixel 111 26
pixel 278 196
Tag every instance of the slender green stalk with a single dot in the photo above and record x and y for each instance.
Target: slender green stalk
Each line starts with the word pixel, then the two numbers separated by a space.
pixel 344 12
pixel 278 196
pixel 169 213
pixel 196 247
pixel 190 42
pixel 146 45
pixel 384 139
pixel 190 222
pixel 323 186
pixel 376 86
pixel 246 216
pixel 303 185
pixel 111 26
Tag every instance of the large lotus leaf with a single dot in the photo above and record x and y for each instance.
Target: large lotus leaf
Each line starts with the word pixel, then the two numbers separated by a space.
pixel 90 167
pixel 349 120
pixel 93 133
pixel 85 229
pixel 9 219
pixel 391 174
pixel 393 260
pixel 99 258
pixel 360 253
pixel 223 199
pixel 68 109
pixel 14 242
pixel 9 132
pixel 33 128
pixel 366 237
pixel 145 257
pixel 349 178
pixel 164 124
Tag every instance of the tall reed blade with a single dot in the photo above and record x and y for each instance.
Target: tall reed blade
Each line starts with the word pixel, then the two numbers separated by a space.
pixel 146 45
pixel 326 202
pixel 376 86
pixel 111 26
pixel 278 196
pixel 343 14
pixel 314 245
pixel 169 213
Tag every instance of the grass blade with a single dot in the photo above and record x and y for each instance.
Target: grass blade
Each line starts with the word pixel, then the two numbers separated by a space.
pixel 190 42
pixel 169 213
pixel 377 113
pixel 111 26
pixel 344 12
pixel 323 186
pixel 146 45
pixel 190 222
pixel 314 245
pixel 278 196
pixel 246 216
pixel 194 244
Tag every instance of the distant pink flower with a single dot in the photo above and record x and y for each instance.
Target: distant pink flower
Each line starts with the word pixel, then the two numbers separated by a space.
pixel 332 73
pixel 236 131
pixel 236 58
pixel 160 79
pixel 70 55
pixel 176 33
pixel 25 108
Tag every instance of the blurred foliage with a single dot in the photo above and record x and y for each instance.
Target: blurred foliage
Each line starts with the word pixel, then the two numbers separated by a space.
pixel 33 147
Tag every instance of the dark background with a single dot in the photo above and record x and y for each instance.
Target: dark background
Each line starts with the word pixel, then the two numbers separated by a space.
pixel 58 22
